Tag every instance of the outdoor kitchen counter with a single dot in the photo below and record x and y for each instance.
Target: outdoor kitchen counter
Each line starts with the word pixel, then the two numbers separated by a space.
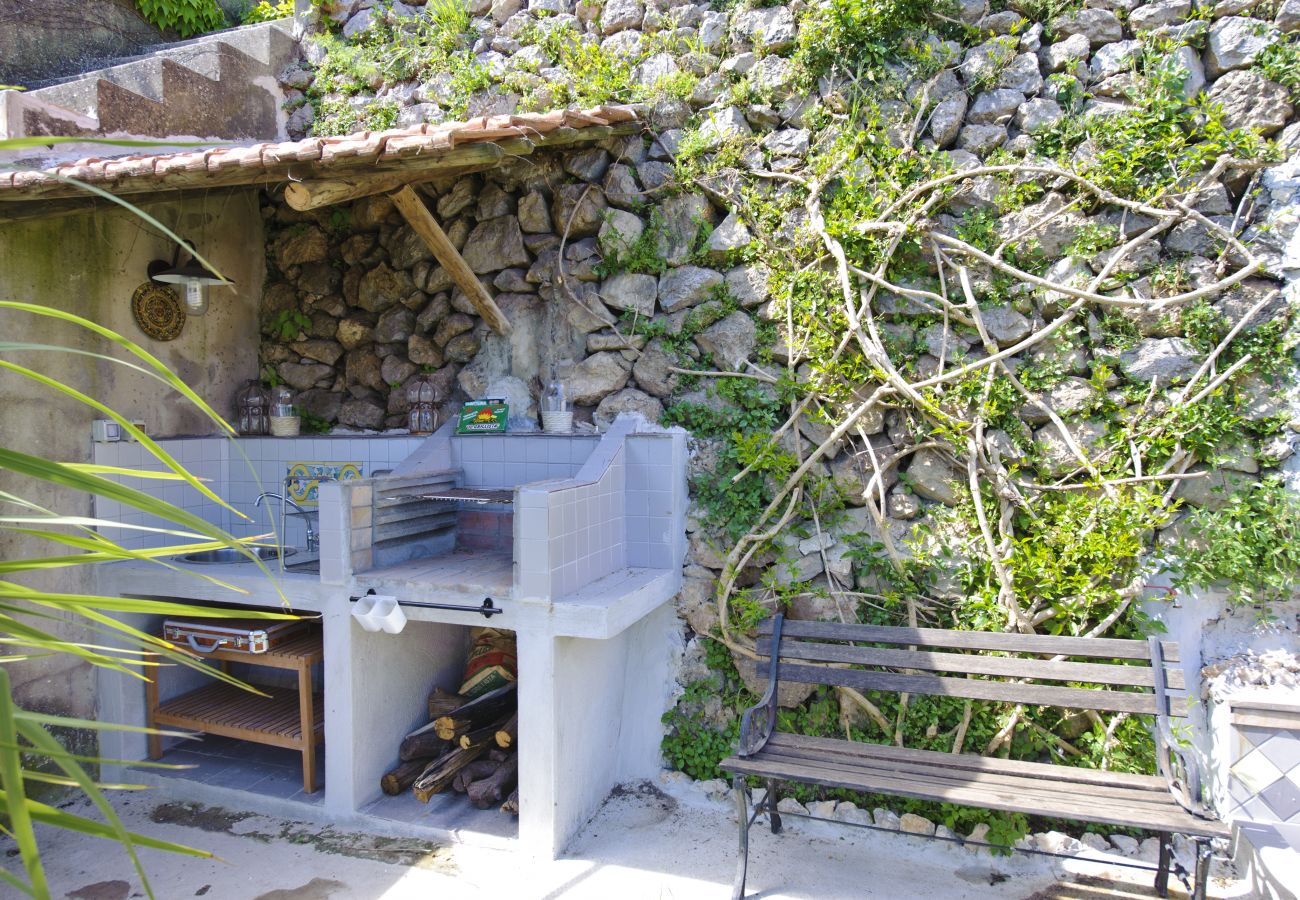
pixel 300 590
pixel 460 574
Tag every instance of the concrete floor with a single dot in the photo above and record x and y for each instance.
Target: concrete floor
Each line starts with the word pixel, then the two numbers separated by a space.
pixel 649 841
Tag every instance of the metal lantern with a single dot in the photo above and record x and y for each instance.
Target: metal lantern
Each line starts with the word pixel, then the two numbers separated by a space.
pixel 251 409
pixel 420 394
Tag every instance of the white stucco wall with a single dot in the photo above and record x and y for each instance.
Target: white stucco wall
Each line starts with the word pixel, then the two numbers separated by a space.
pixel 90 264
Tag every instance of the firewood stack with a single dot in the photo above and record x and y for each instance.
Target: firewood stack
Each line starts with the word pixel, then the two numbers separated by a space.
pixel 468 746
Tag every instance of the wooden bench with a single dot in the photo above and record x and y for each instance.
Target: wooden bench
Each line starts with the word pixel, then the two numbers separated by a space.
pixel 1137 677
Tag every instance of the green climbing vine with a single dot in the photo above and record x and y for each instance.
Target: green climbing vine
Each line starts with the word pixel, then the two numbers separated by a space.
pixel 186 17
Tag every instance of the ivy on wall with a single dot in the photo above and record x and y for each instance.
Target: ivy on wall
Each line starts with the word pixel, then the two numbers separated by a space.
pixel 878 249
pixel 185 17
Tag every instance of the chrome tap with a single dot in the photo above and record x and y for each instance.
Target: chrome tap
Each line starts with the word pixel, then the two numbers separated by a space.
pixel 286 502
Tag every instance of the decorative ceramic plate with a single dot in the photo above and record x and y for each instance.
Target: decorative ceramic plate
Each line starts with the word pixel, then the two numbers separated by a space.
pixel 158 311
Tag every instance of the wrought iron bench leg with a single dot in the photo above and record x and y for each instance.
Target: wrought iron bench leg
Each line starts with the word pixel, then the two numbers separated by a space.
pixel 742 811
pixel 770 802
pixel 1162 873
pixel 1202 868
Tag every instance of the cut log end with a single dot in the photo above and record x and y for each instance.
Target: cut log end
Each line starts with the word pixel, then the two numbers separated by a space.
pixel 512 803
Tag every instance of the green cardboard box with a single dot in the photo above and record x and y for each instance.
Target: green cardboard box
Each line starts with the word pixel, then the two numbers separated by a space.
pixel 483 417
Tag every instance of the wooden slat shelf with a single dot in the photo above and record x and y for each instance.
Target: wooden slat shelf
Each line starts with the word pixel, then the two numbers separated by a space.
pixel 279 719
pixel 233 712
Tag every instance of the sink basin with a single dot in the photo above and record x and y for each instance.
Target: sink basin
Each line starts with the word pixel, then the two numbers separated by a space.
pixel 229 555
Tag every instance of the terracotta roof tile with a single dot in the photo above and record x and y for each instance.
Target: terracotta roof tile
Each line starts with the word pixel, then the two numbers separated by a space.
pixel 397 143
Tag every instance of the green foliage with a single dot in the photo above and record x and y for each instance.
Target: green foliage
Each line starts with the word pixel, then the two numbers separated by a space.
pixel 267 11
pixel 185 17
pixel 313 424
pixel 1200 427
pixel 642 255
pixel 1045 10
pixel 595 75
pixel 691 743
pixel 1280 62
pixel 1203 326
pixel 286 324
pixel 1118 331
pixel 1251 545
pixel 742 426
pixel 436 40
pixel 859 35
pixel 1092 238
pixel 341 116
pixel 56 533
pixel 1163 140
pixel 1080 551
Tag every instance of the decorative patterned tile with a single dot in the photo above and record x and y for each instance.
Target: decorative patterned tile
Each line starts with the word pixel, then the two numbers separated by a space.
pixel 1255 734
pixel 304 477
pixel 1238 791
pixel 1282 750
pixel 1255 771
pixel 1254 809
pixel 1283 797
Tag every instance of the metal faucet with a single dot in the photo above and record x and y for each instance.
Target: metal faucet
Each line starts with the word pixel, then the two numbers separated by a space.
pixel 285 502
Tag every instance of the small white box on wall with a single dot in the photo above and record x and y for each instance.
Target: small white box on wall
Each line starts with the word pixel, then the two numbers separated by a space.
pixel 105 431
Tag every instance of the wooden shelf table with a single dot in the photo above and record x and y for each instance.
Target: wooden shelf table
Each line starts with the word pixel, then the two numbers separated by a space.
pixel 286 718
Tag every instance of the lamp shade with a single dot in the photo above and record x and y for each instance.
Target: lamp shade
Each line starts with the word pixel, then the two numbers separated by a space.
pixel 195 276
pixel 192 271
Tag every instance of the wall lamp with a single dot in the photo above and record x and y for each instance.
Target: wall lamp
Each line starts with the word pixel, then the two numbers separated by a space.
pixel 193 274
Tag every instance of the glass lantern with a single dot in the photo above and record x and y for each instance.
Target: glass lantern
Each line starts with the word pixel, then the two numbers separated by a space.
pixel 419 394
pixel 251 406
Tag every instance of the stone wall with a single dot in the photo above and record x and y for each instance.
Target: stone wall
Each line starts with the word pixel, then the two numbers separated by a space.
pixel 708 298
pixel 381 310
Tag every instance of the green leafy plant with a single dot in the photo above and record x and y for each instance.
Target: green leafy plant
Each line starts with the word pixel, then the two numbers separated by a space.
pixel 267 11
pixel 287 323
pixel 186 17
pixel 313 424
pixel 1280 62
pixel 70 539
pixel 1251 544
pixel 643 255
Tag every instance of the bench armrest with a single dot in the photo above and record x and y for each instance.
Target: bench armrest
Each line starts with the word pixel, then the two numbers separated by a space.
pixel 752 739
pixel 1178 764
pixel 1182 770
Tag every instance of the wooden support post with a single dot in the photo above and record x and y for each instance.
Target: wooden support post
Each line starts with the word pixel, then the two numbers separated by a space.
pixel 417 215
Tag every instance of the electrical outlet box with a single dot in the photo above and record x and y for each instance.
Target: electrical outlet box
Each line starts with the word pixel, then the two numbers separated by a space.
pixel 138 423
pixel 105 431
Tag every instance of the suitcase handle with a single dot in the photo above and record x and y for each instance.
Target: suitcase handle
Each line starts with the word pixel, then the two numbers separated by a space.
pixel 216 644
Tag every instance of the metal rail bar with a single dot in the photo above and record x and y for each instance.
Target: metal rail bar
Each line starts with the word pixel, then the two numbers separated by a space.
pixel 487 608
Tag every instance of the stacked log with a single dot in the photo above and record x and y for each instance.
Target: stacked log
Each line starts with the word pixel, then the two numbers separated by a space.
pixel 468 746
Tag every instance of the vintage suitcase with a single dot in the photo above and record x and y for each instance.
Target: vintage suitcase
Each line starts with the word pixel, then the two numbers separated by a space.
pixel 240 635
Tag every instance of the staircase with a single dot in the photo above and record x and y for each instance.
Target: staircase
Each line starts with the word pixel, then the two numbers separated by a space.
pixel 221 86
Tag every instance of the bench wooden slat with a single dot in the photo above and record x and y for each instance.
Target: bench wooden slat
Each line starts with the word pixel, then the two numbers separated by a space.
pixel 938 770
pixel 971 762
pixel 1047 644
pixel 1173 818
pixel 1142 807
pixel 971 689
pixel 1010 667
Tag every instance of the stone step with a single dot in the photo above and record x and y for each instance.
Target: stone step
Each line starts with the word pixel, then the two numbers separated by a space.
pixel 267 42
pixel 220 86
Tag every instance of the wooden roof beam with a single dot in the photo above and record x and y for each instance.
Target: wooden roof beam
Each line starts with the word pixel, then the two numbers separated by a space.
pixel 423 223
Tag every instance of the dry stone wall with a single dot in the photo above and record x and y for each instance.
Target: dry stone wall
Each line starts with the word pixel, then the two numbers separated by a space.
pixel 624 264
